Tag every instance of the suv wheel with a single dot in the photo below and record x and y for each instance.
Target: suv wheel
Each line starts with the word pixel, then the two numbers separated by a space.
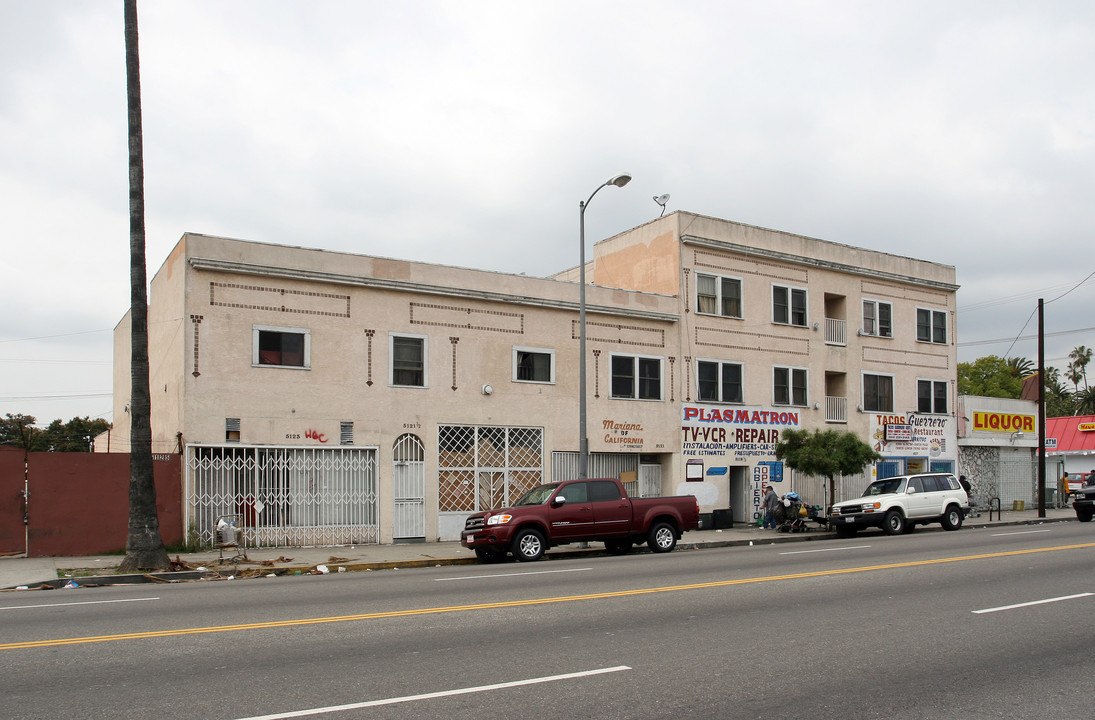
pixel 844 532
pixel 952 518
pixel 894 523
pixel 528 545
pixel 1084 514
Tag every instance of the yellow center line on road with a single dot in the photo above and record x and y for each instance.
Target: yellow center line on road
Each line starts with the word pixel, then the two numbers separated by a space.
pixel 520 603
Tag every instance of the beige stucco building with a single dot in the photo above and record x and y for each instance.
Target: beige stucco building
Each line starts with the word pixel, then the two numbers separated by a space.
pixel 327 397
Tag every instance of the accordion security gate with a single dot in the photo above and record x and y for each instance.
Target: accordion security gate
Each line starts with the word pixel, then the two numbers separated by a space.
pixel 285 496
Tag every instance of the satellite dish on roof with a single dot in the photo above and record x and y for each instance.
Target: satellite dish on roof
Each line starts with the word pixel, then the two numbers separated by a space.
pixel 662 200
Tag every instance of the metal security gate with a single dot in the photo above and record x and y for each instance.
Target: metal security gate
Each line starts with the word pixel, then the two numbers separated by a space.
pixel 409 488
pixel 485 467
pixel 285 496
pixel 650 480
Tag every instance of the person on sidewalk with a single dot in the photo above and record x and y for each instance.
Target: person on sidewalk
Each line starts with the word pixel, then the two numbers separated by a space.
pixel 771 500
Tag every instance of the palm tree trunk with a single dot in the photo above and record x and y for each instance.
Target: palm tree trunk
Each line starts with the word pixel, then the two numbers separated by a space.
pixel 144 548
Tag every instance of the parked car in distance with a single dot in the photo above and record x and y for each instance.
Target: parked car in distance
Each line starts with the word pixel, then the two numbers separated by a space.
pixel 594 510
pixel 1083 498
pixel 1074 482
pixel 898 504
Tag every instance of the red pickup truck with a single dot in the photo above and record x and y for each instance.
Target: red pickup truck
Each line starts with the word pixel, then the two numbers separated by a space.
pixel 595 510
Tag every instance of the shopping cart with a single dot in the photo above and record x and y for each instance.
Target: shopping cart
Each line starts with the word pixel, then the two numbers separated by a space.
pixel 230 538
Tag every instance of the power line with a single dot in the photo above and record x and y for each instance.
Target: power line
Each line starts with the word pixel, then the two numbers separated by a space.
pixel 1024 337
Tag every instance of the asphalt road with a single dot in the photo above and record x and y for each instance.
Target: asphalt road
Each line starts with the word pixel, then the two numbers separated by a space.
pixel 988 623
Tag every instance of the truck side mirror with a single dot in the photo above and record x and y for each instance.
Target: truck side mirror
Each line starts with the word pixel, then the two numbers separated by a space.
pixel 559 501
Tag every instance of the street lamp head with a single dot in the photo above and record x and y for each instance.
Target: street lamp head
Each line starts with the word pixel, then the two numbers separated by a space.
pixel 620 180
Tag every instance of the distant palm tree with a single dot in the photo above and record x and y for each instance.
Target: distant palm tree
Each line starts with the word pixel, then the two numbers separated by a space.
pixel 1080 357
pixel 144 548
pixel 1020 367
pixel 1085 402
pixel 1074 375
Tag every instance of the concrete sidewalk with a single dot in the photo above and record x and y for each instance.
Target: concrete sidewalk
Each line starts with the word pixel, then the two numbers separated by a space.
pixel 100 570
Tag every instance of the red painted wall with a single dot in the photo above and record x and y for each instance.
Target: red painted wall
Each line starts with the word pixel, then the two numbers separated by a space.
pixel 12 537
pixel 79 503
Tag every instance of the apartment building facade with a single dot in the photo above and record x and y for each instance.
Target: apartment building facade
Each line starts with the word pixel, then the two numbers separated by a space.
pixel 328 398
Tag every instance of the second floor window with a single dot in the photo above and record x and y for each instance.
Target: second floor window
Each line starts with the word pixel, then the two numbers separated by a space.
pixel 533 365
pixel 408 361
pixel 638 378
pixel 719 381
pixel 281 347
pixel 931 326
pixel 788 306
pixel 789 386
pixel 877 318
pixel 717 295
pixel 877 393
pixel 931 396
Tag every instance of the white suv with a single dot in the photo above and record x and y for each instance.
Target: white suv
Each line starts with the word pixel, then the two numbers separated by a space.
pixel 898 504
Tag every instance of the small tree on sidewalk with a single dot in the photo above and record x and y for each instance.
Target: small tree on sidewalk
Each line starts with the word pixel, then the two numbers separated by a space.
pixel 825 453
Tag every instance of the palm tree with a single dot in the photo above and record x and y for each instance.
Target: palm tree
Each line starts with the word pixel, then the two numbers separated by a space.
pixel 1080 357
pixel 144 548
pixel 1020 367
pixel 1085 402
pixel 1074 374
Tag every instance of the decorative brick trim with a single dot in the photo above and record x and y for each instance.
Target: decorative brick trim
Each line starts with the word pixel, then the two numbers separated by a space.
pixel 687 378
pixel 369 356
pixel 672 378
pixel 596 373
pixel 618 334
pixel 196 320
pixel 687 292
pixel 454 341
pixel 296 302
pixel 467 318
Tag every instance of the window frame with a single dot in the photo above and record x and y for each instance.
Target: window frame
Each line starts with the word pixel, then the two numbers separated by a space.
pixel 517 350
pixel 863 391
pixel 720 387
pixel 719 297
pixel 392 337
pixel 306 352
pixel 931 326
pixel 933 386
pixel 791 293
pixel 636 378
pixel 877 318
pixel 792 372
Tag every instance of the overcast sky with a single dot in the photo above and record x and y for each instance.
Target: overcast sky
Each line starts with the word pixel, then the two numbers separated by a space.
pixel 466 132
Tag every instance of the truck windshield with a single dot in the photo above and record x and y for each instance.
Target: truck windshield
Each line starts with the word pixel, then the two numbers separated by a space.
pixel 537 495
pixel 888 486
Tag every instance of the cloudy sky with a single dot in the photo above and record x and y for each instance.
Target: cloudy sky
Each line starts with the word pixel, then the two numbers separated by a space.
pixel 466 132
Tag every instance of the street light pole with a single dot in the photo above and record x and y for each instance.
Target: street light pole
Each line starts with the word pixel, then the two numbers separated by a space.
pixel 583 439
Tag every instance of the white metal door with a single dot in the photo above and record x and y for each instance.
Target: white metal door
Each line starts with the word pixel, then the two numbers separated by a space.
pixel 409 488
pixel 650 480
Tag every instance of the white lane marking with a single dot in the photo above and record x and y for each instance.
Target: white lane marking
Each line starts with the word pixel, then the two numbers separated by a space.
pixel 85 602
pixel 533 572
pixel 1036 602
pixel 803 552
pixel 1019 532
pixel 429 696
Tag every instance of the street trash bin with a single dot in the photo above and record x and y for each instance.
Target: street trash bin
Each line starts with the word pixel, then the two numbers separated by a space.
pixel 723 519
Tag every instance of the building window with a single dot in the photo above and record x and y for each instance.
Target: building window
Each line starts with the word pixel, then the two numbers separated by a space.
pixel 232 430
pixel 931 326
pixel 408 360
pixel 788 306
pixel 789 386
pixel 931 396
pixel 877 393
pixel 637 378
pixel 877 318
pixel 281 347
pixel 719 381
pixel 533 365
pixel 716 295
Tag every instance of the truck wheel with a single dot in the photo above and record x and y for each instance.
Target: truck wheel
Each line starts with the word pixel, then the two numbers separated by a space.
pixel 1084 515
pixel 490 555
pixel 894 523
pixel 618 547
pixel 662 538
pixel 952 518
pixel 528 545
pixel 845 532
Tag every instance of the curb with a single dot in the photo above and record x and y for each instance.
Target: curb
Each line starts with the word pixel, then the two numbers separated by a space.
pixel 249 572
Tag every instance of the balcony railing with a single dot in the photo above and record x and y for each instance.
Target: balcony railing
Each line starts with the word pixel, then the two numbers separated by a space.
pixel 836 332
pixel 836 409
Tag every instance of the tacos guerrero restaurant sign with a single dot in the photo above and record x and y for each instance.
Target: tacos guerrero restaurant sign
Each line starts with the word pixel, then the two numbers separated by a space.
pixel 741 434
